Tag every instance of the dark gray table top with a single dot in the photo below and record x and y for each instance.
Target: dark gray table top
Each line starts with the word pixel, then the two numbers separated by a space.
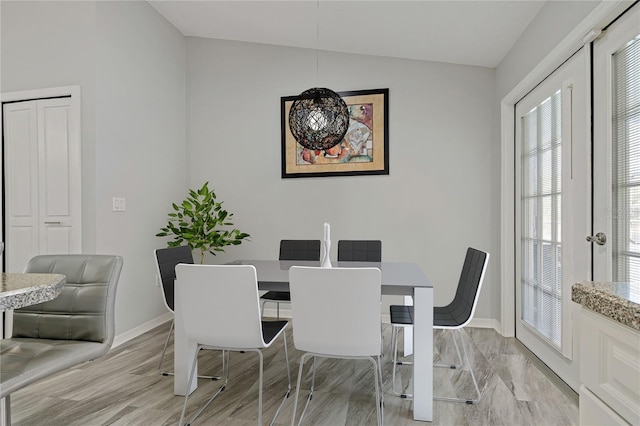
pixel 398 278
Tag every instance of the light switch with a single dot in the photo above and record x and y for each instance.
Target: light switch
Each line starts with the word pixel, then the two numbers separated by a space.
pixel 119 204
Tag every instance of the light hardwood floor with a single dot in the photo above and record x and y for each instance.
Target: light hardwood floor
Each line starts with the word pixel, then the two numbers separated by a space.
pixel 124 388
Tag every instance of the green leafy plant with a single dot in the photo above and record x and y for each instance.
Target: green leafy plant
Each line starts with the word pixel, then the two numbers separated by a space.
pixel 200 221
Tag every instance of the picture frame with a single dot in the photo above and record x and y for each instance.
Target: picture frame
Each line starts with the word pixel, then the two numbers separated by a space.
pixel 364 150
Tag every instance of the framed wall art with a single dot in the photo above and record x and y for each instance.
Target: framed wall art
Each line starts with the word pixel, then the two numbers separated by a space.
pixel 364 150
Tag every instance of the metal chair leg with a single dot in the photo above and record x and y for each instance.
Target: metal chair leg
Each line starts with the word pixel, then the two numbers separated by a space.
pixel 473 376
pixel 164 350
pixel 206 404
pixel 286 395
pixel 166 343
pixel 394 345
pixel 295 401
pixel 277 309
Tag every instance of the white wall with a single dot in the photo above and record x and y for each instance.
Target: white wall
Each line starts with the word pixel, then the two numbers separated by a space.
pixel 130 65
pixel 439 198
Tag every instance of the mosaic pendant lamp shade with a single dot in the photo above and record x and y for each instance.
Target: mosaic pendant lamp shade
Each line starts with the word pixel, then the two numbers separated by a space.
pixel 319 118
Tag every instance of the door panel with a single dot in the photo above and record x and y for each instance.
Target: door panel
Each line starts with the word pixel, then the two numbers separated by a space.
pixel 42 180
pixel 551 201
pixel 21 166
pixel 616 182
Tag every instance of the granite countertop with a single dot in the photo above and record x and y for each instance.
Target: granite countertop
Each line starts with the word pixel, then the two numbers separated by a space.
pixel 18 290
pixel 618 301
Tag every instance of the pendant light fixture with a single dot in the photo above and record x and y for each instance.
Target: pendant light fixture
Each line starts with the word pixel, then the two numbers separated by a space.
pixel 319 117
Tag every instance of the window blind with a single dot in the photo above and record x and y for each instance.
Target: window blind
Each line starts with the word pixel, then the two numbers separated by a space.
pixel 626 162
pixel 541 280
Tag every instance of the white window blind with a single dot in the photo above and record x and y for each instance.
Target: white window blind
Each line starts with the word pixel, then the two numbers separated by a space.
pixel 541 278
pixel 626 162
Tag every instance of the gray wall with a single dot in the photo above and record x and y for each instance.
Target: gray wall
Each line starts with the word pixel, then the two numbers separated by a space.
pixel 52 44
pixel 437 200
pixel 140 144
pixel 553 23
pixel 130 65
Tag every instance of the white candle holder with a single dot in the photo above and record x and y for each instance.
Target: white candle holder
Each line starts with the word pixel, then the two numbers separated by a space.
pixel 326 249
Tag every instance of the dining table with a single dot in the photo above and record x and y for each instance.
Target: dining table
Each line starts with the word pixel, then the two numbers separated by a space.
pixel 398 278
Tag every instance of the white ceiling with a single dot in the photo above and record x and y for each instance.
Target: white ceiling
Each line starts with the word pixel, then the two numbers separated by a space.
pixel 471 32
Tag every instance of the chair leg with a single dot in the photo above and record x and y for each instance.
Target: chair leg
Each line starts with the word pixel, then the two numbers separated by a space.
pixel 206 404
pixel 186 393
pixel 377 372
pixel 260 379
pixel 394 345
pixel 166 343
pixel 164 350
pixel 295 401
pixel 458 332
pixel 452 366
pixel 286 395
pixel 277 309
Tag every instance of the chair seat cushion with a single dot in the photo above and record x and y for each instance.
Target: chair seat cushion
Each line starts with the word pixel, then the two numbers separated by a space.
pixel 26 360
pixel 401 314
pixel 270 329
pixel 443 316
pixel 277 296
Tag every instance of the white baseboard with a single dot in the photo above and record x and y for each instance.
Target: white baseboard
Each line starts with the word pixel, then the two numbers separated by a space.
pixel 141 329
pixel 486 323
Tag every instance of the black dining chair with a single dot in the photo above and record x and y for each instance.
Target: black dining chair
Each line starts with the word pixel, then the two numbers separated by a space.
pixel 454 316
pixel 291 250
pixel 166 261
pixel 360 250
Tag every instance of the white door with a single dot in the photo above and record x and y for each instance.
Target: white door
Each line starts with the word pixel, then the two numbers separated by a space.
pixel 616 170
pixel 552 205
pixel 42 180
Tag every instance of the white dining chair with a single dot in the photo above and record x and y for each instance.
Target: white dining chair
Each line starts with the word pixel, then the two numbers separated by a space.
pixel 166 260
pixel 220 308
pixel 352 328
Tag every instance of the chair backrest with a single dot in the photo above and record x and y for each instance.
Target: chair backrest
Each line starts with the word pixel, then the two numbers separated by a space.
pixel 84 310
pixel 220 305
pixel 360 250
pixel 166 261
pixel 465 301
pixel 299 250
pixel 351 325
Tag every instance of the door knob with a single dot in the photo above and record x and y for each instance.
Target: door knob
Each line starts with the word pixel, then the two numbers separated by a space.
pixel 600 238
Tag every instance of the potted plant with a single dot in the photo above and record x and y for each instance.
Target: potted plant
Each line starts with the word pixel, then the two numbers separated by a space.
pixel 200 221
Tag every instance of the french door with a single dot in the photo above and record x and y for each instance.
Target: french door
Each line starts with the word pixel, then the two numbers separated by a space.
pixel 616 158
pixel 552 212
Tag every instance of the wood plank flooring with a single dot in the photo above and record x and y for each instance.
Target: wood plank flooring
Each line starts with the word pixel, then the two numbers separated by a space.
pixel 124 388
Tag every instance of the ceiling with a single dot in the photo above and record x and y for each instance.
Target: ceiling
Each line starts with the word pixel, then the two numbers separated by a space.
pixel 470 32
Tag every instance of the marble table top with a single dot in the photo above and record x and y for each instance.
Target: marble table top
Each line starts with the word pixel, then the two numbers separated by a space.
pixel 18 290
pixel 618 301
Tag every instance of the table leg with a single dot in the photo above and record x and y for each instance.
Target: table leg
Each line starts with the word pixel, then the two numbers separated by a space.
pixel 423 354
pixel 408 331
pixel 183 351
